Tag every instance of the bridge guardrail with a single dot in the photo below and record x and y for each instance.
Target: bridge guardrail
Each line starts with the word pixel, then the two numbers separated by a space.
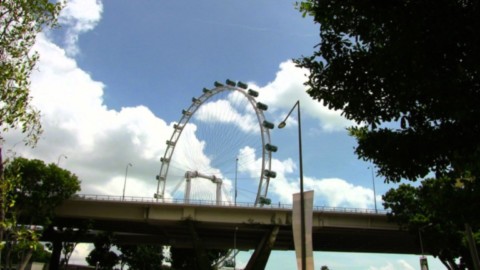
pixel 224 203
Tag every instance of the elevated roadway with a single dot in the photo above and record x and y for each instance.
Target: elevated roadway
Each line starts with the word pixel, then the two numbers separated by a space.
pixel 183 225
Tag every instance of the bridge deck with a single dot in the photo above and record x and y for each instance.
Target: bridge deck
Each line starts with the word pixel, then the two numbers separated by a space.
pixel 164 223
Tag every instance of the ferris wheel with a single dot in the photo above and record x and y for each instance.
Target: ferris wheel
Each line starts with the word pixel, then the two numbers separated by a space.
pixel 220 149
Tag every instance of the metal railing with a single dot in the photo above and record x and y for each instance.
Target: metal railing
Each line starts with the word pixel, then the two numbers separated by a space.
pixel 223 203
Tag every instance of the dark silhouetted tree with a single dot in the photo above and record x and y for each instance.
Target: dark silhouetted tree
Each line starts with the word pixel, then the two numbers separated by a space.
pixel 34 190
pixel 102 256
pixel 141 257
pixel 407 72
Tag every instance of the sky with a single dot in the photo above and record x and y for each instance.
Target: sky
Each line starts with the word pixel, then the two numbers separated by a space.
pixel 113 80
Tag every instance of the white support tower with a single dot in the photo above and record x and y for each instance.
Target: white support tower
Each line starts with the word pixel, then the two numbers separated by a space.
pixel 194 174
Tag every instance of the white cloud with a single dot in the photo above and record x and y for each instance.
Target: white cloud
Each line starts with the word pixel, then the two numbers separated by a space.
pixel 339 192
pixel 399 265
pixel 404 265
pixel 388 266
pixel 332 192
pixel 79 16
pixel 280 185
pixel 80 253
pixel 288 87
pixel 224 111
pixel 99 141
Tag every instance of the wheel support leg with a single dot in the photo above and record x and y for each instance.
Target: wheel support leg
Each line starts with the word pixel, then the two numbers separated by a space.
pixel 259 258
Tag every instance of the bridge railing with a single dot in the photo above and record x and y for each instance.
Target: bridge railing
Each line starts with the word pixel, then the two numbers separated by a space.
pixel 224 203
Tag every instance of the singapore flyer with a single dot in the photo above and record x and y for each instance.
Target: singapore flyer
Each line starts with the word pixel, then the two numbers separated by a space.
pixel 220 149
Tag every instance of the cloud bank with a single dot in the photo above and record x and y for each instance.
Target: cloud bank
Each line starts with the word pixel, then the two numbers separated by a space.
pixel 288 87
pixel 78 17
pixel 99 142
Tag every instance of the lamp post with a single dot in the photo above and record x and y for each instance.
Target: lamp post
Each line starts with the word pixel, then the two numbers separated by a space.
pixel 125 182
pixel 59 157
pixel 302 201
pixel 235 248
pixel 374 192
pixel 236 170
pixel 423 260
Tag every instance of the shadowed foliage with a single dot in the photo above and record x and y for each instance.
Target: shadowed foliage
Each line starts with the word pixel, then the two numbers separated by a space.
pixel 407 73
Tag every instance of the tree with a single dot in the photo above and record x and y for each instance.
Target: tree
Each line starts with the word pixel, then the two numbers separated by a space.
pixel 68 247
pixel 185 258
pixel 407 73
pixel 40 254
pixel 182 258
pixel 414 63
pixel 436 218
pixel 20 22
pixel 67 251
pixel 40 189
pixel 102 257
pixel 64 241
pixel 141 257
pixel 34 192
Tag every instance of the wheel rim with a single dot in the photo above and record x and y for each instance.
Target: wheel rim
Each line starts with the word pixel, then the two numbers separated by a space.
pixel 233 106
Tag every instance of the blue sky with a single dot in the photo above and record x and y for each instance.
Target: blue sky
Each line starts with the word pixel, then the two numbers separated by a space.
pixel 114 79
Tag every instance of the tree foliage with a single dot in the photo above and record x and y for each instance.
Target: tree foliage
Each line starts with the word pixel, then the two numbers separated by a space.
pixel 407 73
pixel 410 63
pixel 20 22
pixel 41 188
pixel 66 247
pixel 102 257
pixel 435 211
pixel 142 257
pixel 32 192
pixel 14 255
pixel 185 258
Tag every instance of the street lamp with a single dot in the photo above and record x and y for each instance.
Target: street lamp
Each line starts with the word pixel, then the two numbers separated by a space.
pixel 374 192
pixel 59 157
pixel 236 171
pixel 423 260
pixel 125 182
pixel 302 201
pixel 235 248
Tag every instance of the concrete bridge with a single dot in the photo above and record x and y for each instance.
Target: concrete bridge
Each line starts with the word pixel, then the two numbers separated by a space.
pixel 203 225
